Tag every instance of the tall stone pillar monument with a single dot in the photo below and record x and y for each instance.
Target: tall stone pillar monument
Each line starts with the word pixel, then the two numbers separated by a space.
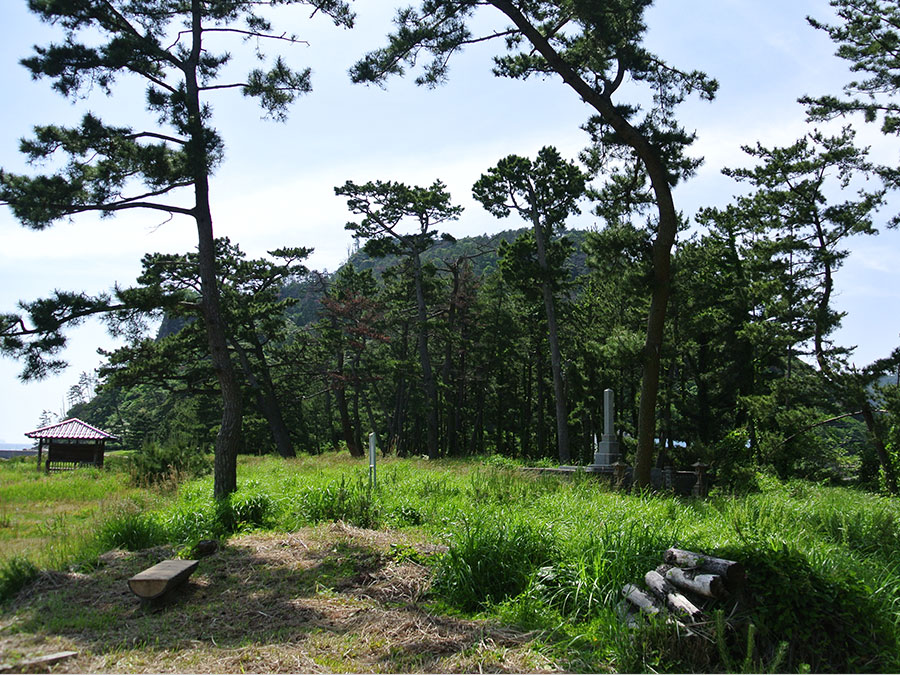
pixel 608 449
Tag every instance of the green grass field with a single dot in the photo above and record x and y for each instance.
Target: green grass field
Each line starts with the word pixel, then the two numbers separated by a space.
pixel 540 554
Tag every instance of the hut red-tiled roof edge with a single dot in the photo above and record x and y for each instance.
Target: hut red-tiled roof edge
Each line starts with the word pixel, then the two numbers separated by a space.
pixel 71 428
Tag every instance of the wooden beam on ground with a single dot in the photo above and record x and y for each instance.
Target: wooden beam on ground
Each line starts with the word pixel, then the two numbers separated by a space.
pixel 640 599
pixel 23 666
pixel 157 580
pixel 707 585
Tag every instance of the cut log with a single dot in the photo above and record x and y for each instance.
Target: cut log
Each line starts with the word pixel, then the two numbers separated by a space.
pixel 674 600
pixel 730 570
pixel 708 585
pixel 643 601
pixel 24 666
pixel 157 580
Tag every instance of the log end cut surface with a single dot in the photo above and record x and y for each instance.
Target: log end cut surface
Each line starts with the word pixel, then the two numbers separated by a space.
pixel 153 582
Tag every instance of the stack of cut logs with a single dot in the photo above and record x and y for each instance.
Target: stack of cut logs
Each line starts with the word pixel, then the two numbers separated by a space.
pixel 685 585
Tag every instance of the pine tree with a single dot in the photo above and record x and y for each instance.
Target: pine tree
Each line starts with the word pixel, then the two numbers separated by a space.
pixel 110 169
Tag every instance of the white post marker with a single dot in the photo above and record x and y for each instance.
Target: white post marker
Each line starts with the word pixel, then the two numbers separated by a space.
pixel 373 479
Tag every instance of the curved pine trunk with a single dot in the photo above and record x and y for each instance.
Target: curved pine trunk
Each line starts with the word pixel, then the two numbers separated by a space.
pixel 667 228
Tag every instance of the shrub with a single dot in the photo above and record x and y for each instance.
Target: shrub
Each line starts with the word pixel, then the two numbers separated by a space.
pixel 830 619
pixel 405 514
pixel 241 511
pixel 501 462
pixel 734 466
pixel 353 503
pixel 155 463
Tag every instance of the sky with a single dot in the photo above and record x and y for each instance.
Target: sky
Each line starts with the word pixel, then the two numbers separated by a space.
pixel 276 185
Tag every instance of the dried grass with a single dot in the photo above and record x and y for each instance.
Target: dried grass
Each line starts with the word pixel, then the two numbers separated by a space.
pixel 332 598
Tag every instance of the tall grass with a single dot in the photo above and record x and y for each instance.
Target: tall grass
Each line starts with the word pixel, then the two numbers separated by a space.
pixel 491 559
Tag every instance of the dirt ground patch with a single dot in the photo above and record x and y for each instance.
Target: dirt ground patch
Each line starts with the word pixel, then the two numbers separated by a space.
pixel 333 598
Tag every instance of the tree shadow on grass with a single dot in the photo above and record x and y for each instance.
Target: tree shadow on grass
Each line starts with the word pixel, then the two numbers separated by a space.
pixel 327 598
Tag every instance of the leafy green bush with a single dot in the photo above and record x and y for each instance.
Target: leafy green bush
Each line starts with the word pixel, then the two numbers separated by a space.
pixel 155 463
pixel 244 510
pixel 830 619
pixel 15 574
pixel 501 462
pixel 405 515
pixel 735 468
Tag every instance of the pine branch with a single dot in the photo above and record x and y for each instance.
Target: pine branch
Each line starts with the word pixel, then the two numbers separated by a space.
pixel 152 134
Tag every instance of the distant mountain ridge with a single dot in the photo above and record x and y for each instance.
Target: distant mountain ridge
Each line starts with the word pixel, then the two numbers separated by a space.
pixel 482 249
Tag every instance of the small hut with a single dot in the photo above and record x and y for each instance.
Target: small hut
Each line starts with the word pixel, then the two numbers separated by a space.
pixel 70 443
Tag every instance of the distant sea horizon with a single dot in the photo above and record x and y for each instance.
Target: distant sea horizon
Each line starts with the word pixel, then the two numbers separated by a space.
pixel 15 446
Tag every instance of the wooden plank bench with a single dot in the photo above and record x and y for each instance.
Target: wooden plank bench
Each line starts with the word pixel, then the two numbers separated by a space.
pixel 156 580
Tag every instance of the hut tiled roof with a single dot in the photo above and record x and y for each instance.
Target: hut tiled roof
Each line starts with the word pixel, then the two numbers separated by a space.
pixel 72 428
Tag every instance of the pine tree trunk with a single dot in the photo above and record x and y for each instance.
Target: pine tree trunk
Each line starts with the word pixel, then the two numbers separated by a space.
pixel 228 438
pixel 643 458
pixel 431 396
pixel 340 394
pixel 541 430
pixel 667 228
pixel 266 399
pixel 272 407
pixel 887 466
pixel 559 390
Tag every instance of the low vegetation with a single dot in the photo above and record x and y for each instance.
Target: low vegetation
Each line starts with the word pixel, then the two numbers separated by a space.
pixel 539 560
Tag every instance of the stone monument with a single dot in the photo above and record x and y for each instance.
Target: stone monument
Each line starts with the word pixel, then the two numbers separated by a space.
pixel 607 452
